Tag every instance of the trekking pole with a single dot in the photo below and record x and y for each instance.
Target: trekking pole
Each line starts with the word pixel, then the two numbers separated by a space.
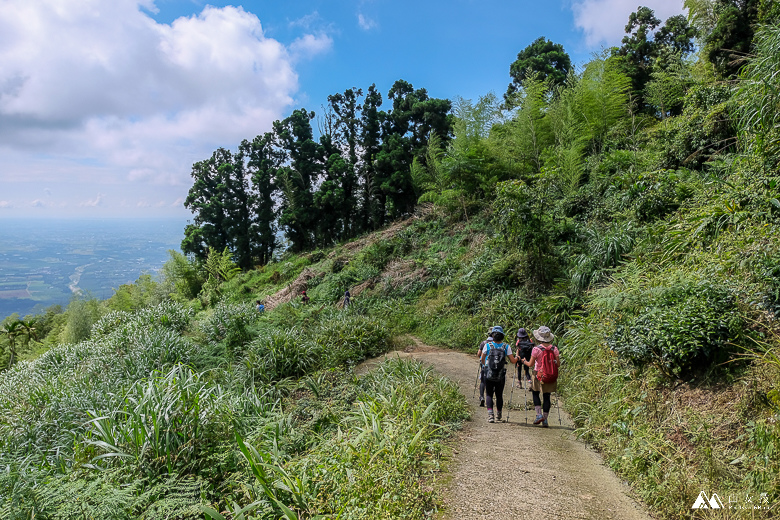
pixel 558 407
pixel 511 395
pixel 476 382
pixel 525 404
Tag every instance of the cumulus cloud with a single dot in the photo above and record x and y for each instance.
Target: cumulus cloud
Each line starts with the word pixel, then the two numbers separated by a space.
pixel 139 100
pixel 93 203
pixel 603 21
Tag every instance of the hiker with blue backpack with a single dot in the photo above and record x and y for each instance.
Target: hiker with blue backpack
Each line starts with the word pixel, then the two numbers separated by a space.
pixel 493 358
pixel 545 360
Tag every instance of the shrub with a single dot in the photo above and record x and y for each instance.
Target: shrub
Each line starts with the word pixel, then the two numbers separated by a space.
pixel 278 354
pixel 166 423
pixel 232 324
pixel 684 330
pixel 348 339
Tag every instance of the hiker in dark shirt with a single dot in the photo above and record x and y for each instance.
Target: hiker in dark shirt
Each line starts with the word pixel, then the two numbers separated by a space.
pixel 346 298
pixel 494 382
pixel 482 368
pixel 523 348
pixel 304 297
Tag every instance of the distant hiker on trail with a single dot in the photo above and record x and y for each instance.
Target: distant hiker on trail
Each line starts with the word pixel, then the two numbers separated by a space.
pixel 494 358
pixel 545 360
pixel 260 307
pixel 346 298
pixel 304 297
pixel 524 346
pixel 482 368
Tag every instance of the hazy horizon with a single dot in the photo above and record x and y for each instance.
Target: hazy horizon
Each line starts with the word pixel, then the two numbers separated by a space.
pixel 45 261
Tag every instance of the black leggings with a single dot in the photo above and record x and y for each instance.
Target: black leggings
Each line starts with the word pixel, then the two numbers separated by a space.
pixel 520 368
pixel 537 402
pixel 498 388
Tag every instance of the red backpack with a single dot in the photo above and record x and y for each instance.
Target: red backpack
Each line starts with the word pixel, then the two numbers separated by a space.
pixel 548 368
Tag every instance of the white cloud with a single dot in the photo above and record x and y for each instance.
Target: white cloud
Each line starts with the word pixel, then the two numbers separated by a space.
pixel 99 91
pixel 93 203
pixel 4 204
pixel 366 23
pixel 310 45
pixel 604 21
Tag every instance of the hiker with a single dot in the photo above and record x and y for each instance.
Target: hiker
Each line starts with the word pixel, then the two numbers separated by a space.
pixel 260 307
pixel 346 298
pixel 482 368
pixel 545 360
pixel 304 297
pixel 494 358
pixel 523 346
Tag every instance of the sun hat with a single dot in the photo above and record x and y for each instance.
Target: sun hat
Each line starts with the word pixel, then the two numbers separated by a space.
pixel 544 334
pixel 522 333
pixel 498 330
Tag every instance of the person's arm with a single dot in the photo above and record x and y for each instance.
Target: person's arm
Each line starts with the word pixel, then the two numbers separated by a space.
pixel 512 358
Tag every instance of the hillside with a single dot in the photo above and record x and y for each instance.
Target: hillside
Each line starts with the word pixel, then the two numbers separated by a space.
pixel 644 234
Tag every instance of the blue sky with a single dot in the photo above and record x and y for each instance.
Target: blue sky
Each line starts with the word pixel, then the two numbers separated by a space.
pixel 105 104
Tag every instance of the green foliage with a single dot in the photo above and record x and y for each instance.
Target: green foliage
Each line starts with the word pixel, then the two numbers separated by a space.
pixel 683 330
pixel 377 463
pixel 520 216
pixel 758 98
pixel 731 35
pixel 168 423
pixel 129 297
pixel 183 276
pixel 542 58
pixel 81 314
pixel 232 324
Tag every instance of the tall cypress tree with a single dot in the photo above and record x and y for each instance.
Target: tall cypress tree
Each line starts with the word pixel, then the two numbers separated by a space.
pixel 347 135
pixel 263 160
pixel 371 140
pixel 221 202
pixel 298 215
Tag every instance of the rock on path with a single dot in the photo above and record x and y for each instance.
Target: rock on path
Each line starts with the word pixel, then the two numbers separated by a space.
pixel 535 472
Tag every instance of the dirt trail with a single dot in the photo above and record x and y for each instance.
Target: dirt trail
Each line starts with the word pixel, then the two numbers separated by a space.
pixel 541 472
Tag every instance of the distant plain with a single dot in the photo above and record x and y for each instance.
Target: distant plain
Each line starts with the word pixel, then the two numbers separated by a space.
pixel 48 262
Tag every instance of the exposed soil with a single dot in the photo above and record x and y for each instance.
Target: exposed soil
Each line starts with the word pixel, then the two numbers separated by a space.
pixel 514 469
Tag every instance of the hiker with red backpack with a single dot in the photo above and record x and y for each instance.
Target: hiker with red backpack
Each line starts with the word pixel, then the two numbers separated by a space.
pixel 545 360
pixel 493 358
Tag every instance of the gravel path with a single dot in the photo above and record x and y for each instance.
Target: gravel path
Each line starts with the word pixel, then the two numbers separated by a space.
pixel 515 470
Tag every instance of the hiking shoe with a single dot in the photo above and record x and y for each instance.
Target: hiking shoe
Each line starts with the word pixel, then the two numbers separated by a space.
pixel 539 418
pixel 491 419
pixel 482 402
pixel 544 424
pixel 498 416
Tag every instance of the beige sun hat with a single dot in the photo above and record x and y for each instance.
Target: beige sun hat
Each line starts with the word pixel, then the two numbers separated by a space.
pixel 544 334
